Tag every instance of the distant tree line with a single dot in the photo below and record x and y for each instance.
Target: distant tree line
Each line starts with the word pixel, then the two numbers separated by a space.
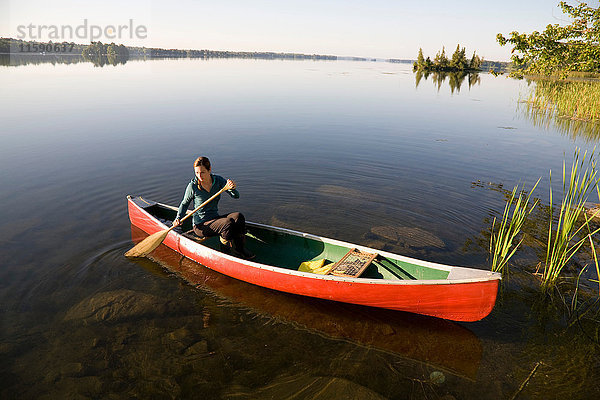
pixel 97 49
pixel 14 46
pixel 179 53
pixel 458 61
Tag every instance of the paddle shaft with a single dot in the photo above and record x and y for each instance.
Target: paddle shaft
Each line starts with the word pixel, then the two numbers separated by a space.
pixel 146 246
pixel 200 206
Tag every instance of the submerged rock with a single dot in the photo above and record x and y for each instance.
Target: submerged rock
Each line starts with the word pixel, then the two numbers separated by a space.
pixel 116 305
pixel 340 191
pixel 386 232
pixel 409 236
pixel 292 216
pixel 198 348
pixel 593 211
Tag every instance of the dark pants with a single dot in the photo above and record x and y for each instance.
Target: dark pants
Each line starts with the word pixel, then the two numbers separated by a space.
pixel 229 227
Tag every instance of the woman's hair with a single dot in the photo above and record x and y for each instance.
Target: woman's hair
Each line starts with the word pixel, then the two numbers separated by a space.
pixel 202 161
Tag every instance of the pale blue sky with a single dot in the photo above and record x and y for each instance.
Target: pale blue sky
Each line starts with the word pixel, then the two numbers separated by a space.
pixel 373 28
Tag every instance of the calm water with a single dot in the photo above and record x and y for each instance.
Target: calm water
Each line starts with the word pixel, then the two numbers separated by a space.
pixel 341 149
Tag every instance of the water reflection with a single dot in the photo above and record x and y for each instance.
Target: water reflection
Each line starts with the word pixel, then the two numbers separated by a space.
pixel 455 79
pixel 110 59
pixel 542 117
pixel 312 145
pixel 15 60
pixel 436 342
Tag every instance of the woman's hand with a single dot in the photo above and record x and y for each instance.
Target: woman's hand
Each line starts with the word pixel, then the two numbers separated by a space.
pixel 230 185
pixel 176 223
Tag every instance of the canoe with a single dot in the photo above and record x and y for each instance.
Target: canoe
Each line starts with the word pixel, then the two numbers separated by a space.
pixel 391 281
pixel 438 343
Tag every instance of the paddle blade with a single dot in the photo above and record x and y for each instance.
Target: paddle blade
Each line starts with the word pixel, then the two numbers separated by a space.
pixel 146 246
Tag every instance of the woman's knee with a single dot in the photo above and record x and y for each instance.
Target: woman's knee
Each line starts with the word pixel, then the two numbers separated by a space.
pixel 237 217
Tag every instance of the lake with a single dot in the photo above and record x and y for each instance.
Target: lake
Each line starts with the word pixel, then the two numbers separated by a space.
pixel 341 149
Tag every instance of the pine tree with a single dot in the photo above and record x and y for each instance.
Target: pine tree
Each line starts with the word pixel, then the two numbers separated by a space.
pixel 443 63
pixel 420 59
pixel 475 62
pixel 428 63
pixel 455 62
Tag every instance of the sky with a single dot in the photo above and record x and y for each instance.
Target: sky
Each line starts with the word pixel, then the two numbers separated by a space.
pixel 370 28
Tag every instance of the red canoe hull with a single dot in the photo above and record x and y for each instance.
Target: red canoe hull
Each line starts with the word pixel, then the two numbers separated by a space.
pixel 466 301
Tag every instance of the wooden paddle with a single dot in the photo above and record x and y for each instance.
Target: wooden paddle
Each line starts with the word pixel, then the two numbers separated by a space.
pixel 146 246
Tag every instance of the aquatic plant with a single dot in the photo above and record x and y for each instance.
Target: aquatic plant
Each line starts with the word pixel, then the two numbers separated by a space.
pixel 567 235
pixel 575 100
pixel 571 106
pixel 502 242
pixel 593 247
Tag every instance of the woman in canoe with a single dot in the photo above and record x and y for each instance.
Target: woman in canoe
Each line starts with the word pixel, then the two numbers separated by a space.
pixel 207 221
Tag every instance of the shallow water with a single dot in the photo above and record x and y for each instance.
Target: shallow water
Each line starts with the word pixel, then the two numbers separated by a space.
pixel 351 150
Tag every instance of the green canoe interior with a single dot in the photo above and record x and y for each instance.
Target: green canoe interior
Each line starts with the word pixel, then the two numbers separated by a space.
pixel 284 250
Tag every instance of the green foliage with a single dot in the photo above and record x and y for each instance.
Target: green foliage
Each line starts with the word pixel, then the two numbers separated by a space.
pixel 441 60
pixel 458 62
pixel 455 78
pixel 559 49
pixel 5 45
pixel 571 106
pixel 428 63
pixel 502 241
pixel 475 62
pixel 593 247
pixel 101 54
pixel 420 63
pixel 567 235
pixel 573 100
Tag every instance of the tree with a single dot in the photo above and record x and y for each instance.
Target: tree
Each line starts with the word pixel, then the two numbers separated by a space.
pixel 475 62
pixel 459 61
pixel 111 50
pixel 428 63
pixel 442 61
pixel 575 47
pixel 122 51
pixel 420 64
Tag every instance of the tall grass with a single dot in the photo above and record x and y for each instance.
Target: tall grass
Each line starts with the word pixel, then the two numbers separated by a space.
pixel 593 247
pixel 567 235
pixel 502 241
pixel 568 99
pixel 574 128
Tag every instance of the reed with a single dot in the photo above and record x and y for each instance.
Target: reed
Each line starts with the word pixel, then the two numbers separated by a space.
pixel 567 235
pixel 502 241
pixel 595 259
pixel 574 128
pixel 574 100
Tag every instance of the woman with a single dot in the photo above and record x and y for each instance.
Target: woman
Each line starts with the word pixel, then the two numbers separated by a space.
pixel 207 222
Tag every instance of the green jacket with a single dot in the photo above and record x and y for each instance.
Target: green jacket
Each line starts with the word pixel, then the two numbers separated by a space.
pixel 194 191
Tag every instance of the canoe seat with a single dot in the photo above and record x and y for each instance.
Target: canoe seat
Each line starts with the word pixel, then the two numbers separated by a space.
pixel 353 264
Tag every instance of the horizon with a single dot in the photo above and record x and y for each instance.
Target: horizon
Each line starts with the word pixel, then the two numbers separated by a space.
pixel 377 30
pixel 255 51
